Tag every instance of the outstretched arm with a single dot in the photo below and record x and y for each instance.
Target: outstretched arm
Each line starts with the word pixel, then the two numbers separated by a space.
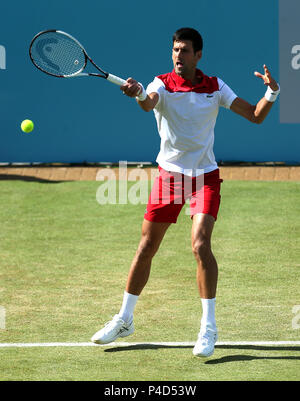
pixel 259 112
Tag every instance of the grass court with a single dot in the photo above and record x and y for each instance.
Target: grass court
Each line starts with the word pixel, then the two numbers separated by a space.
pixel 64 264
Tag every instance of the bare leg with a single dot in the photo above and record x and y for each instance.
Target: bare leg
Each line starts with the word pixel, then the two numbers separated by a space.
pixel 152 235
pixel 207 268
pixel 122 323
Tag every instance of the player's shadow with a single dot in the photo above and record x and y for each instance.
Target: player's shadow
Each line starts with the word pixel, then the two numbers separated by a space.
pixel 223 359
pixel 146 346
pixel 238 358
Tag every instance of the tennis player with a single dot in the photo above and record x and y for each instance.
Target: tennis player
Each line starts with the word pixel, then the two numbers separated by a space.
pixel 185 103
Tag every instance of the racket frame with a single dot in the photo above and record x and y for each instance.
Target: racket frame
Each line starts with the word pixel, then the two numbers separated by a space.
pixel 110 77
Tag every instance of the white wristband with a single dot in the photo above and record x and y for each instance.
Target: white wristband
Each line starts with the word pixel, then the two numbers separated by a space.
pixel 271 95
pixel 142 95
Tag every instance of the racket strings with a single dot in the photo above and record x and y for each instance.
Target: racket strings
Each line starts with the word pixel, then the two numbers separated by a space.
pixel 58 54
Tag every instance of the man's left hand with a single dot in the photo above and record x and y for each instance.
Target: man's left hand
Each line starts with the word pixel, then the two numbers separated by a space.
pixel 268 80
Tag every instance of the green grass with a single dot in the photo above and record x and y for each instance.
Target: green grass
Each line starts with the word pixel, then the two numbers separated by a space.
pixel 64 264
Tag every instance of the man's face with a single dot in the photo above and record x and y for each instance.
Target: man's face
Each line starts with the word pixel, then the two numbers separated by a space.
pixel 184 58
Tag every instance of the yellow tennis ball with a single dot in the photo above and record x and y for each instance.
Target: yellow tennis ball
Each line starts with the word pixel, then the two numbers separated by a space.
pixel 27 126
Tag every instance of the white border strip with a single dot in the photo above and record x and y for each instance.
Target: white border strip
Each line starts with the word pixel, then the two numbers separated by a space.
pixel 124 344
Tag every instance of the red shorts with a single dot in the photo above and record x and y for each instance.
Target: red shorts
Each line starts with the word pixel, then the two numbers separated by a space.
pixel 171 190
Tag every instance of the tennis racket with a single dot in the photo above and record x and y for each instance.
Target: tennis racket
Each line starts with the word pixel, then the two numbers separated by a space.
pixel 59 54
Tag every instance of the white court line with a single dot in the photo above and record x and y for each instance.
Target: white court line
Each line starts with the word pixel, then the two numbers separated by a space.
pixel 124 344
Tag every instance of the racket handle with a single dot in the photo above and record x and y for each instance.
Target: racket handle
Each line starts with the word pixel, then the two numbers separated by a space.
pixel 115 80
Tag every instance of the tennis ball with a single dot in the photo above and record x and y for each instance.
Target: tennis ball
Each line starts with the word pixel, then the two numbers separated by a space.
pixel 27 126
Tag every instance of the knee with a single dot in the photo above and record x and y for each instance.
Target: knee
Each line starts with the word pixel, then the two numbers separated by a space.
pixel 147 248
pixel 201 248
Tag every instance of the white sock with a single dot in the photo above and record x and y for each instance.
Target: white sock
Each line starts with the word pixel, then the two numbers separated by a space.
pixel 208 320
pixel 127 308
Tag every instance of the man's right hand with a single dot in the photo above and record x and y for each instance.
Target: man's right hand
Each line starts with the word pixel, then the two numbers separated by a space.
pixel 131 88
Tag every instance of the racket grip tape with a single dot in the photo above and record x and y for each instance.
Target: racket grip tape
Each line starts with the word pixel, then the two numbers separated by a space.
pixel 115 80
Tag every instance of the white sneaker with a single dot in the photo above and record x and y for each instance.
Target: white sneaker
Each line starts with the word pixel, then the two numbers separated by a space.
pixel 114 329
pixel 205 344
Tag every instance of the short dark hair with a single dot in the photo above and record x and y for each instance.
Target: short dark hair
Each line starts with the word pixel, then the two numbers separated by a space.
pixel 189 34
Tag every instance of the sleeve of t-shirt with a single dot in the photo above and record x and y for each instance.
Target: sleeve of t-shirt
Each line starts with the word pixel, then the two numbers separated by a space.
pixel 227 95
pixel 157 86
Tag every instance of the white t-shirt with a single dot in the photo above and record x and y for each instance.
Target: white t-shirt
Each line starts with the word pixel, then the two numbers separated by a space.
pixel 186 117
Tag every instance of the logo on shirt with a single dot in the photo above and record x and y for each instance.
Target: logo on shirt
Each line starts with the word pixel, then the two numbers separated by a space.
pixel 209 95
